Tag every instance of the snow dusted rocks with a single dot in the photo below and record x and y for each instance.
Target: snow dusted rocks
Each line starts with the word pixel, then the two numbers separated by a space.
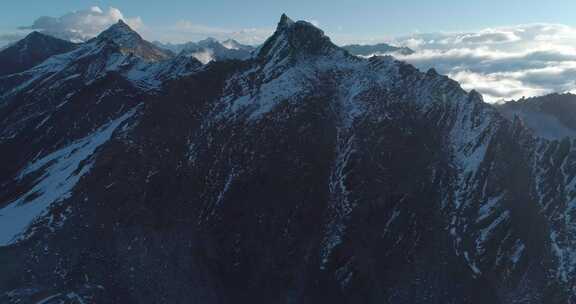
pixel 302 174
pixel 62 170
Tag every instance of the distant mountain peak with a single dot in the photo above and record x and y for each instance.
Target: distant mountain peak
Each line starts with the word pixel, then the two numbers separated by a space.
pixel 122 34
pixel 208 40
pixel 211 49
pixel 129 40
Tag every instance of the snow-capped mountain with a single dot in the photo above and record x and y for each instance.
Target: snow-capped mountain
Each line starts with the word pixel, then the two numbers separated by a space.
pixel 118 49
pixel 303 174
pixel 210 49
pixel 377 49
pixel 30 51
pixel 131 42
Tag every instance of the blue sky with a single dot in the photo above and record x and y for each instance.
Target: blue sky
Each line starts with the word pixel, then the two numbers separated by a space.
pixel 369 17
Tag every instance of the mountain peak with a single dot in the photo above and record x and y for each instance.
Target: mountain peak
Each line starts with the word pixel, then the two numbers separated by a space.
pixel 34 34
pixel 208 42
pixel 122 34
pixel 30 51
pixel 294 39
pixel 130 41
pixel 285 21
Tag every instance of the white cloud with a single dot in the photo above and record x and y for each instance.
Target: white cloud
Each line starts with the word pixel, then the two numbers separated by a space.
pixel 496 87
pixel 83 24
pixel 484 37
pixel 502 63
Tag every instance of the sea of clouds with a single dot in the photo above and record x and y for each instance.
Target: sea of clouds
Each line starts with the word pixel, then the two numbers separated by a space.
pixel 502 63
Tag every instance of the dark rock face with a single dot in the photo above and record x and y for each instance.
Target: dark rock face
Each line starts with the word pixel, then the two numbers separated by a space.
pixel 30 51
pixel 304 175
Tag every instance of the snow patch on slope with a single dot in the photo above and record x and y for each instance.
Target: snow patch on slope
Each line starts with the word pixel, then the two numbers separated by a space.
pixel 61 171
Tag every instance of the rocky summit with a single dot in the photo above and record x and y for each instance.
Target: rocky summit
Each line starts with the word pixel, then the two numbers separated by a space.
pixel 300 174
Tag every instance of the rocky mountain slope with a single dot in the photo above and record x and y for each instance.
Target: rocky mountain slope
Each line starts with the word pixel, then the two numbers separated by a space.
pixel 303 174
pixel 30 51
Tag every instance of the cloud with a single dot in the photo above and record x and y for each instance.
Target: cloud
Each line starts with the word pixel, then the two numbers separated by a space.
pixel 501 63
pixel 83 24
pixel 204 56
pixel 488 36
pixel 496 87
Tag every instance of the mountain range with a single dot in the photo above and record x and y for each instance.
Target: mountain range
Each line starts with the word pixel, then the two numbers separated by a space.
pixel 211 49
pixel 300 173
pixel 377 49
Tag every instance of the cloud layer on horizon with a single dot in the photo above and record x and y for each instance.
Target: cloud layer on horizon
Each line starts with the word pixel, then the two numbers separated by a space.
pixel 501 63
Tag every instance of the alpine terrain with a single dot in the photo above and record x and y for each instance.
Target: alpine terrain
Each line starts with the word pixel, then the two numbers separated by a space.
pixel 211 49
pixel 298 174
